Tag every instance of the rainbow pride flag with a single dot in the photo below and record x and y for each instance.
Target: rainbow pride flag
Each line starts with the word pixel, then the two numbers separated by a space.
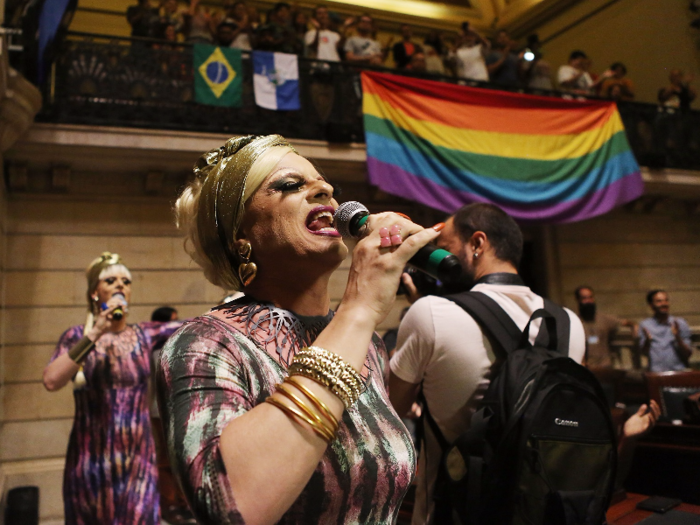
pixel 541 159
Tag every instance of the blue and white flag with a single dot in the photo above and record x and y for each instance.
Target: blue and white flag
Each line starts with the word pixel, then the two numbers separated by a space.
pixel 276 80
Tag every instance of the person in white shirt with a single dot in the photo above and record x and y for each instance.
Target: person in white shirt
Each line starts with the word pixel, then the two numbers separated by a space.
pixel 321 41
pixel 575 78
pixel 468 55
pixel 442 347
pixel 362 48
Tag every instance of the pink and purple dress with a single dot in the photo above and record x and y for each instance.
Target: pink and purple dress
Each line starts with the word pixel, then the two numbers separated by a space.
pixel 111 475
pixel 219 366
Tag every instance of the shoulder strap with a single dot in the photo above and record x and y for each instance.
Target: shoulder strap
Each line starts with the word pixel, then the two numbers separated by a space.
pixel 491 317
pixel 442 441
pixel 563 326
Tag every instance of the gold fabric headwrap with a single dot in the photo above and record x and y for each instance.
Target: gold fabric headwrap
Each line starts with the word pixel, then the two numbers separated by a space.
pixel 224 172
pixel 95 269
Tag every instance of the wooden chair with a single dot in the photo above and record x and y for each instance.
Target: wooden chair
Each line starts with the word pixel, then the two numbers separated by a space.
pixel 670 388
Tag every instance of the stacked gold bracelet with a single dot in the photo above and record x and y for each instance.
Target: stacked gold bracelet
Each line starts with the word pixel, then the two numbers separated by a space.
pixel 330 370
pixel 324 423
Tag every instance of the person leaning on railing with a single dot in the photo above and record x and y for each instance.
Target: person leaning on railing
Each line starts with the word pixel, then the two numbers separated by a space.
pixel 275 407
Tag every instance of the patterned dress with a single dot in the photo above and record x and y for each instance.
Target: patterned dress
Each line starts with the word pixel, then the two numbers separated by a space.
pixel 219 366
pixel 111 475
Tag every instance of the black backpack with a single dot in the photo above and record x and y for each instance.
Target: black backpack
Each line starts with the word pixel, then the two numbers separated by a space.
pixel 541 449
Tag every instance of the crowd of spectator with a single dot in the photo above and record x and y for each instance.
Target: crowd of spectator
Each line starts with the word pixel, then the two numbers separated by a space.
pixel 324 35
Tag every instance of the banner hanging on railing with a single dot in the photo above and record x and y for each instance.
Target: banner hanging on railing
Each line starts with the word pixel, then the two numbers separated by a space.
pixel 218 75
pixel 276 80
pixel 541 159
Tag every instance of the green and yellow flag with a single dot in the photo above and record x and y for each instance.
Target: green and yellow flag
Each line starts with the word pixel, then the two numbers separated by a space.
pixel 218 75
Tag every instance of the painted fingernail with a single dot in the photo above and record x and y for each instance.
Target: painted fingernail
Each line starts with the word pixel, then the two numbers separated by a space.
pixel 439 226
pixel 403 215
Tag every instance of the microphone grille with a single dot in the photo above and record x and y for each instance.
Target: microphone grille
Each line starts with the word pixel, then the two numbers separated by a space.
pixel 345 214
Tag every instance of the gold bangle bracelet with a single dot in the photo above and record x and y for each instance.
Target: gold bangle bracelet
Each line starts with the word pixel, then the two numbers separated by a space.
pixel 329 370
pixel 285 391
pixel 80 349
pixel 322 377
pixel 321 431
pixel 337 364
pixel 314 399
pixel 335 357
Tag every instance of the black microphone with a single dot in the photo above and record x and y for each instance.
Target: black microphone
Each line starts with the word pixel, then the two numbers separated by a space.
pixel 351 216
pixel 118 312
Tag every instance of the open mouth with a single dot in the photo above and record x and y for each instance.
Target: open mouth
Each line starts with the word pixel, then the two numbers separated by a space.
pixel 320 221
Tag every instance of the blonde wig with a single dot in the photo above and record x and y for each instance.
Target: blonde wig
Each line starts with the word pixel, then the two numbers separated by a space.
pixel 210 209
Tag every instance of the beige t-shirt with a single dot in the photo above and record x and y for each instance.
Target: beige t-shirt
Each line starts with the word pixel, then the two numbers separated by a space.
pixel 442 346
pixel 598 334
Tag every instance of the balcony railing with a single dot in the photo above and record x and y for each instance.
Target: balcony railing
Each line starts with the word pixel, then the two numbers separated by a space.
pixel 102 80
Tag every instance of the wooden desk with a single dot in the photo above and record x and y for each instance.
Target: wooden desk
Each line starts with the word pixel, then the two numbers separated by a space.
pixel 626 512
pixel 667 462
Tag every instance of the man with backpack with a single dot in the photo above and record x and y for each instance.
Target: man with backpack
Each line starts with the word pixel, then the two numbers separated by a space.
pixel 444 350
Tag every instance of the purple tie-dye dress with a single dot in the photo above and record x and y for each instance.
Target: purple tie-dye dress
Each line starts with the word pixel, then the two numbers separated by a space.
pixel 219 366
pixel 111 475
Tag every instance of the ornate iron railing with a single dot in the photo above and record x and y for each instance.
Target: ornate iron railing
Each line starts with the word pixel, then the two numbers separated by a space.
pixel 103 80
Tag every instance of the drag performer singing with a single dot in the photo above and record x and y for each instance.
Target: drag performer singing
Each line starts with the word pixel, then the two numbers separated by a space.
pixel 276 408
pixel 110 475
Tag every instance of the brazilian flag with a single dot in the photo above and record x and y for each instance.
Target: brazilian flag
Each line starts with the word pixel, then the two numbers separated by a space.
pixel 218 75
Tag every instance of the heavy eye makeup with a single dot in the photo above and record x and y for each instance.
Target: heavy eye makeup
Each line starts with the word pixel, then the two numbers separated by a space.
pixel 295 182
pixel 287 184
pixel 112 280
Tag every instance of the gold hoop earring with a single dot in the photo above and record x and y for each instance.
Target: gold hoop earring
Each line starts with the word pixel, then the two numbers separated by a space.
pixel 246 270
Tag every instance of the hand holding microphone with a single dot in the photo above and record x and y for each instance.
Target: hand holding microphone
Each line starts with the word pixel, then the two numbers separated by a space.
pixel 387 242
pixel 112 311
pixel 118 312
pixel 351 219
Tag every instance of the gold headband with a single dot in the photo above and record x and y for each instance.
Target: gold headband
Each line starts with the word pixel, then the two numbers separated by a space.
pixel 224 172
pixel 94 270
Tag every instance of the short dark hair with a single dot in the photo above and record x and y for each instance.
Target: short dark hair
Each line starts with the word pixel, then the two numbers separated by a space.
pixel 621 65
pixel 577 54
pixel 280 5
pixel 163 314
pixel 652 293
pixel 502 231
pixel 577 292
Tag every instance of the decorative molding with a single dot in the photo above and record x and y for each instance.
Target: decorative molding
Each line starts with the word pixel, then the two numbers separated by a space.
pixel 31 466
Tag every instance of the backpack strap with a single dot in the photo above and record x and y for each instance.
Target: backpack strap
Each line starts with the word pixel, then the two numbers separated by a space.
pixel 497 324
pixel 444 444
pixel 563 326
